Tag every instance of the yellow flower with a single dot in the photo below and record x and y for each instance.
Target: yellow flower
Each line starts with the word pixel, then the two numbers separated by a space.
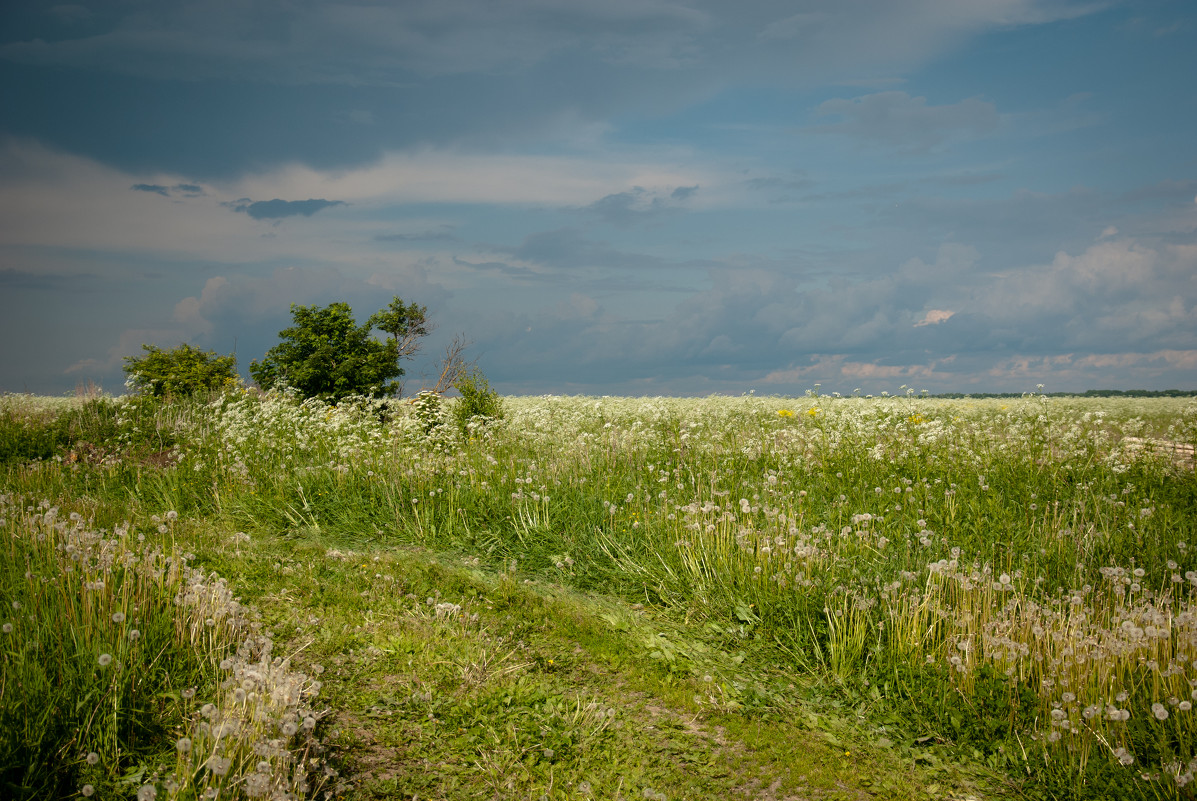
pixel 813 411
pixel 784 413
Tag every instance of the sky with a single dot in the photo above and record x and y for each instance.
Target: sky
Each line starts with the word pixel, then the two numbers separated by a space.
pixel 627 197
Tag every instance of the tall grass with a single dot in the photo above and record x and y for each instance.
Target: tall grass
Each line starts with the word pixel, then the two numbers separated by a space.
pixel 111 647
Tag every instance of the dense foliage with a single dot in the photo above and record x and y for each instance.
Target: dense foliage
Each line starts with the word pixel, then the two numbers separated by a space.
pixel 327 355
pixel 184 370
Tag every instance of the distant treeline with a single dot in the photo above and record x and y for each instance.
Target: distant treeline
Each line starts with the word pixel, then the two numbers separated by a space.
pixel 1089 393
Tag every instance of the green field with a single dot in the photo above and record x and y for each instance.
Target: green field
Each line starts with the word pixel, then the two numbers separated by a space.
pixel 748 597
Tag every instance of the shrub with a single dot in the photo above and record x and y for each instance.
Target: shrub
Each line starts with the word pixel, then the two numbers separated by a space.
pixel 90 429
pixel 185 370
pixel 477 401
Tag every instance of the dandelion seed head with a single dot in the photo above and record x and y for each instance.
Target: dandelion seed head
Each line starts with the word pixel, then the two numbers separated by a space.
pixel 105 660
pixel 93 758
pixel 118 617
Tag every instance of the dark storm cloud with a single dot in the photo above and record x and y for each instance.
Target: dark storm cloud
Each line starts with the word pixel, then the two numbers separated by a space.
pixel 991 247
pixel 190 190
pixel 129 84
pixel 277 209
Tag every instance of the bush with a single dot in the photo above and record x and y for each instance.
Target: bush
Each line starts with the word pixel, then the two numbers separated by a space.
pixel 88 431
pixel 477 401
pixel 183 371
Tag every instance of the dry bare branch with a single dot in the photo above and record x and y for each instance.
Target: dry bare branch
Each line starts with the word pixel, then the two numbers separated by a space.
pixel 453 365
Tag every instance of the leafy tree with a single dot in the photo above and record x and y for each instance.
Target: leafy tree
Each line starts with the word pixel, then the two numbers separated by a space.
pixel 327 355
pixel 184 370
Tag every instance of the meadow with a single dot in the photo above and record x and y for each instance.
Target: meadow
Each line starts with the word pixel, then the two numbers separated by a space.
pixel 254 596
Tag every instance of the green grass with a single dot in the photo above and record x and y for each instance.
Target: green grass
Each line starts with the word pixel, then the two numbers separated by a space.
pixel 615 598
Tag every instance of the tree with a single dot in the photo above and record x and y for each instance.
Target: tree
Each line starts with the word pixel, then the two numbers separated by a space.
pixel 405 323
pixel 184 370
pixel 327 355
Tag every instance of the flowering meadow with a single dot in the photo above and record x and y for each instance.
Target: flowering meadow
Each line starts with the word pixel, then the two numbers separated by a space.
pixel 1005 583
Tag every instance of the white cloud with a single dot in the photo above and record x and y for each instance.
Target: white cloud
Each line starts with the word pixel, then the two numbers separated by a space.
pixel 934 317
pixel 189 311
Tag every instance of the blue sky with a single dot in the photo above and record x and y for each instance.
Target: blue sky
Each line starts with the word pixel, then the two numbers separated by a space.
pixel 627 197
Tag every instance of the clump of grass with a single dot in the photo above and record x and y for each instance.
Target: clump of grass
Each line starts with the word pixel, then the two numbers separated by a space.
pixel 257 738
pixel 86 624
pixel 109 644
